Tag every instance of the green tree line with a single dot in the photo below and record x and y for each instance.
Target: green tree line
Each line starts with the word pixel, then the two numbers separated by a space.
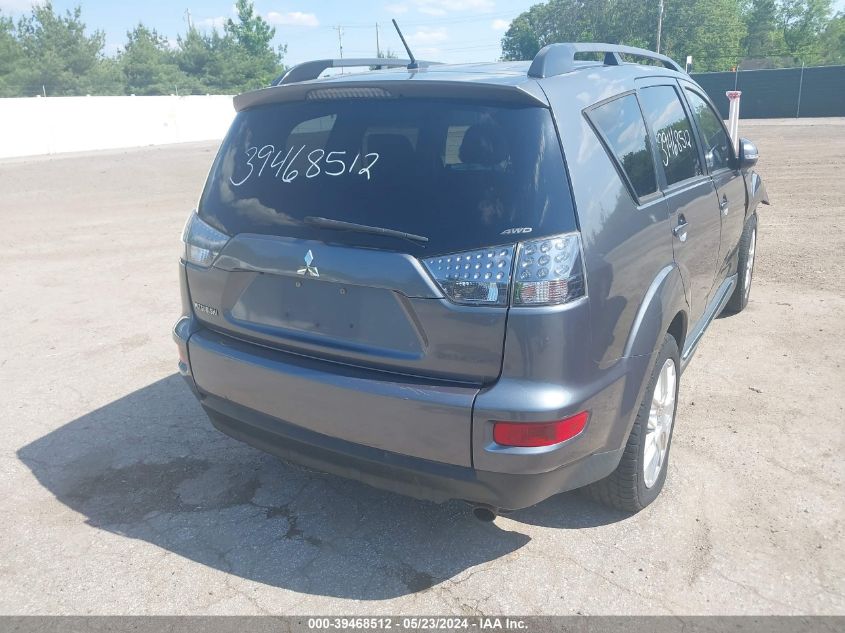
pixel 719 34
pixel 49 53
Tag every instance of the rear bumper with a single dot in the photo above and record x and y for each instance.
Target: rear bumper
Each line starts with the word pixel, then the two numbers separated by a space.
pixel 410 476
pixel 411 437
pixel 412 416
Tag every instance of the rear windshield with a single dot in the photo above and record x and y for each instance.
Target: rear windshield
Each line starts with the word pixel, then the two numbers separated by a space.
pixel 463 175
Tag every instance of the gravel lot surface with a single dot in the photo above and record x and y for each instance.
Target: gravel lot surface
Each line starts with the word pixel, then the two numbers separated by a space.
pixel 117 496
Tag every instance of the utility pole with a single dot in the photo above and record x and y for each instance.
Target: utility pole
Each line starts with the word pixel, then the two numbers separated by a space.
pixel 378 48
pixel 659 24
pixel 800 86
pixel 339 30
pixel 190 20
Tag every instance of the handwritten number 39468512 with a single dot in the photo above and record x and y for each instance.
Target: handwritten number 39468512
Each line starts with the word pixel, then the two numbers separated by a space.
pixel 319 162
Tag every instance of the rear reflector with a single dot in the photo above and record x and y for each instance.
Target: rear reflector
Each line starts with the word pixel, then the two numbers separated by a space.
pixel 539 433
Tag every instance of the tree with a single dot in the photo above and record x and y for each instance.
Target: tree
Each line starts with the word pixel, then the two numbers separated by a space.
pixel 194 57
pixel 710 30
pixel 764 36
pixel 60 58
pixel 46 52
pixel 614 21
pixel 11 59
pixel 832 41
pixel 803 22
pixel 148 65
pixel 522 40
pixel 244 57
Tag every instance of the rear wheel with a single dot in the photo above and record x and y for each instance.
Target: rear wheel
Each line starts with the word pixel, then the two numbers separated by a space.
pixel 639 478
pixel 745 267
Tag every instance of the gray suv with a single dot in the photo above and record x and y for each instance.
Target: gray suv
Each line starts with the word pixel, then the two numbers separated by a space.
pixel 475 282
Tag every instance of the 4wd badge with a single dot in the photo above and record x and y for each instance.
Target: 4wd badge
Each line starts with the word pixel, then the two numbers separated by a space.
pixel 516 230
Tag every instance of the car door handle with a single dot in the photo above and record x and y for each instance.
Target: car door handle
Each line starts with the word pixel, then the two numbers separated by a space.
pixel 680 231
pixel 724 205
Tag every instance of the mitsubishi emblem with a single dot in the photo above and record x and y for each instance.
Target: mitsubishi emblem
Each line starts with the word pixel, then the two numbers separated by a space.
pixel 309 269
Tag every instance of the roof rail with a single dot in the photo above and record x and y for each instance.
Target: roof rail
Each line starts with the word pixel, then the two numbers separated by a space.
pixel 556 59
pixel 313 69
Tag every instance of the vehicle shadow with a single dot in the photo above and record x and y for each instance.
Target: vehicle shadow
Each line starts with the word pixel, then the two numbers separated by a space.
pixel 150 466
pixel 568 511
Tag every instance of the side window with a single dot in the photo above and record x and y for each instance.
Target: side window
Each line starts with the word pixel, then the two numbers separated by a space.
pixel 621 124
pixel 717 145
pixel 672 133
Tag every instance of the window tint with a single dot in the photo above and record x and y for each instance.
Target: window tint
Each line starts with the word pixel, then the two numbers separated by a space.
pixel 674 139
pixel 717 144
pixel 461 174
pixel 621 123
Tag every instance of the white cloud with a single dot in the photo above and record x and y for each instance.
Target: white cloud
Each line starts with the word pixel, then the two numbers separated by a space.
pixel 396 9
pixel 442 7
pixel 294 18
pixel 428 36
pixel 500 25
pixel 18 6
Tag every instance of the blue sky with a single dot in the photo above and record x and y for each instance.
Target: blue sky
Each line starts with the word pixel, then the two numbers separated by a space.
pixel 445 30
pixel 442 30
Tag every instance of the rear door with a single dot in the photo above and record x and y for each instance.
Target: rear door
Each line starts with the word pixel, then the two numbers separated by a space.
pixel 689 191
pixel 469 177
pixel 723 166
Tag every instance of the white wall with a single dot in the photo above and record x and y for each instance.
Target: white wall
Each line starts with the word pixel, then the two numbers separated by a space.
pixel 36 125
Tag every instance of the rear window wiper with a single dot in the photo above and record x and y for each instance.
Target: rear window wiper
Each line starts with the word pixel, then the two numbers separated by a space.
pixel 328 223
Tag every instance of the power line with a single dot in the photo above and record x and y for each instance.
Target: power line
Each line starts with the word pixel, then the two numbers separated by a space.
pixel 433 21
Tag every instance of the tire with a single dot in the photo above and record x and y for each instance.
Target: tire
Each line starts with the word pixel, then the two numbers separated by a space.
pixel 745 267
pixel 631 487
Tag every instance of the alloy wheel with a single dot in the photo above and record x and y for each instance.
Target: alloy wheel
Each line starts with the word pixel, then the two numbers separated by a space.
pixel 660 418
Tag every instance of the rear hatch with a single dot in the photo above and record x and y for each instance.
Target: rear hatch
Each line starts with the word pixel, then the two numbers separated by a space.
pixel 465 179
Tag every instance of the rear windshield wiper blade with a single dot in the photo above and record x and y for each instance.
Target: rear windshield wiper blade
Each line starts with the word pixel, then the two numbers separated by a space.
pixel 328 223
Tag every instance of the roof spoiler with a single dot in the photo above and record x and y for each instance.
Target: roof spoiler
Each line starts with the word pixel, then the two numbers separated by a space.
pixel 527 93
pixel 313 69
pixel 557 59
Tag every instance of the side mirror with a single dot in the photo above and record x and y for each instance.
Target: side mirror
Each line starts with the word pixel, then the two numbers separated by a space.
pixel 748 154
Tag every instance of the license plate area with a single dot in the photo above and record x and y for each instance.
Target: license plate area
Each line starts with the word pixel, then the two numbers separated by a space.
pixel 357 315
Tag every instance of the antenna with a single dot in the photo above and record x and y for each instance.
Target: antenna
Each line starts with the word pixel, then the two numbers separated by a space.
pixel 413 65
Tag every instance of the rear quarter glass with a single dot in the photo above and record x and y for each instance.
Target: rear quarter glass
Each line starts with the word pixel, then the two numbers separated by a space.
pixel 465 175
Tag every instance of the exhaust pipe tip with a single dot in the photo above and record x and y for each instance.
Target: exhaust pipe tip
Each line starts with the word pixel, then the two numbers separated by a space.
pixel 485 514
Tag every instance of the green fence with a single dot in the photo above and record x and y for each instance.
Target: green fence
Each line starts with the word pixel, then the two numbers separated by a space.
pixel 784 92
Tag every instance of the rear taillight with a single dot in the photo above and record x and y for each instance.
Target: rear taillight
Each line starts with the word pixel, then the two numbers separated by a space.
pixel 534 434
pixel 474 277
pixel 548 271
pixel 203 242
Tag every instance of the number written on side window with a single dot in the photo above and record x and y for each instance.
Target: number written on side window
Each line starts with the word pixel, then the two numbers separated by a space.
pixel 673 135
pixel 717 145
pixel 621 123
